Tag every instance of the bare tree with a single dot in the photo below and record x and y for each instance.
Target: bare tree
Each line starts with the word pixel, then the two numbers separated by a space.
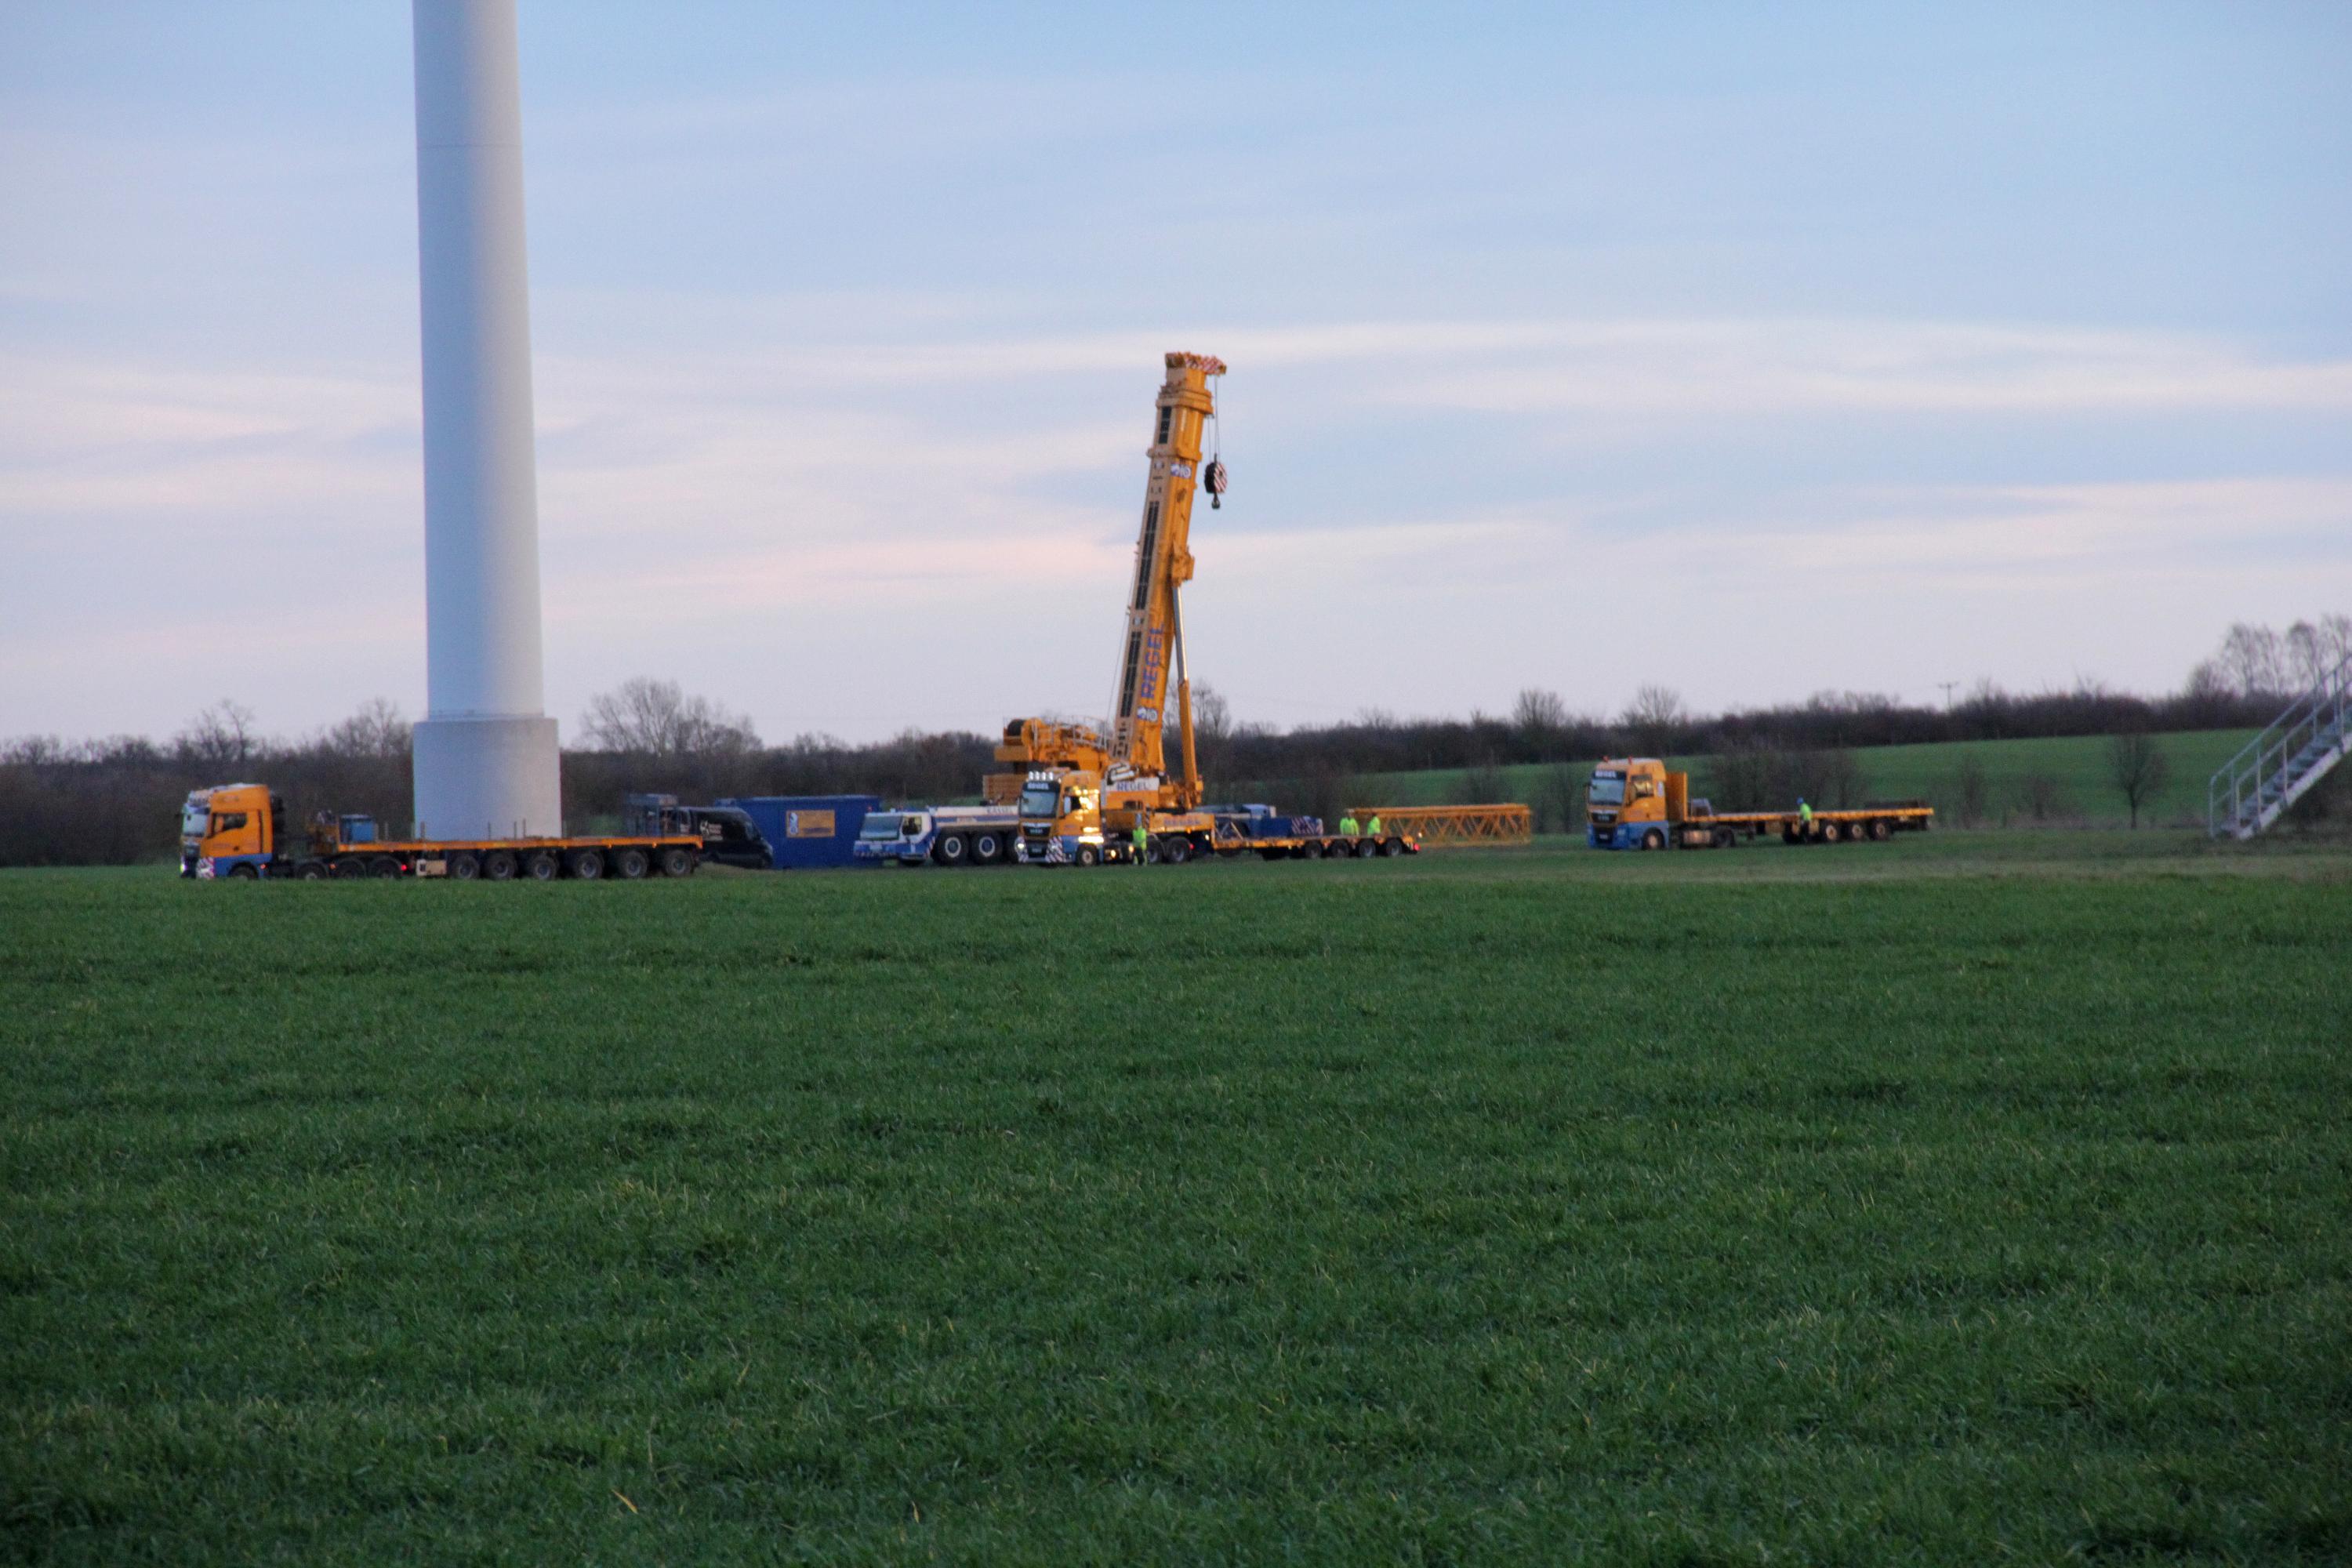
pixel 1971 791
pixel 2334 640
pixel 377 730
pixel 1559 794
pixel 220 736
pixel 2304 656
pixel 1539 716
pixel 1483 784
pixel 2254 660
pixel 1653 716
pixel 2138 767
pixel 1212 716
pixel 2207 681
pixel 656 717
pixel 2042 794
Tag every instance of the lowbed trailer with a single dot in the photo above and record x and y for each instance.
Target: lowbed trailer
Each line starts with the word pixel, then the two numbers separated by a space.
pixel 1076 834
pixel 239 831
pixel 1639 804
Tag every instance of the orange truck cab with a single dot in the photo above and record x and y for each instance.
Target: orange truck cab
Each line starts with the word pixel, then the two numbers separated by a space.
pixel 1637 803
pixel 230 830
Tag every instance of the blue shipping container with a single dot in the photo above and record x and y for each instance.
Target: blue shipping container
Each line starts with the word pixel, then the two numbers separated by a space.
pixel 807 831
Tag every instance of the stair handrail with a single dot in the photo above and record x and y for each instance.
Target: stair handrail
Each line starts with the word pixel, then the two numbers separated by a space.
pixel 2325 706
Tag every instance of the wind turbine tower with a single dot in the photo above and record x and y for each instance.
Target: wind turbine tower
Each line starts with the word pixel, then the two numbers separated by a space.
pixel 486 759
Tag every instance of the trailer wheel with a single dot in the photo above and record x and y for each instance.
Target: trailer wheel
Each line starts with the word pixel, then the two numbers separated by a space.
pixel 499 866
pixel 385 867
pixel 1653 839
pixel 1832 833
pixel 953 850
pixel 587 865
pixel 632 863
pixel 1391 846
pixel 312 871
pixel 677 861
pixel 464 868
pixel 1088 855
pixel 987 848
pixel 1882 829
pixel 540 866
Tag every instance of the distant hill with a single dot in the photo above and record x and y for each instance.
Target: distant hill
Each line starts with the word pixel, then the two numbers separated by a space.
pixel 2076 766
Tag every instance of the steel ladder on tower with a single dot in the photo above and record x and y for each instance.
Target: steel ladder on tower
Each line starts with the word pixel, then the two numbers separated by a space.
pixel 2254 788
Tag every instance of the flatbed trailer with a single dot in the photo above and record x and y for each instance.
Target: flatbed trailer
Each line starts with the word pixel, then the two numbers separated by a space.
pixel 239 832
pixel 1638 803
pixel 585 859
pixel 1725 829
pixel 1319 846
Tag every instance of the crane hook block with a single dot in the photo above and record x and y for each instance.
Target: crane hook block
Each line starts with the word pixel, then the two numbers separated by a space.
pixel 1214 479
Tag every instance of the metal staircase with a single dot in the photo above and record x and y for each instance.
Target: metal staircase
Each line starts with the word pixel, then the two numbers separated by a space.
pixel 2254 787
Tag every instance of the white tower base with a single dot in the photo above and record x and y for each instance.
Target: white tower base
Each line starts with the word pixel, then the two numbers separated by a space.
pixel 488 778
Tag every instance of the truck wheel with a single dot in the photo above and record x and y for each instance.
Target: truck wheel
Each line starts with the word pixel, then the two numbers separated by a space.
pixel 350 866
pixel 987 848
pixel 385 867
pixel 464 868
pixel 1088 855
pixel 312 871
pixel 677 861
pixel 1176 850
pixel 540 867
pixel 244 874
pixel 1653 839
pixel 954 850
pixel 587 865
pixel 499 866
pixel 632 863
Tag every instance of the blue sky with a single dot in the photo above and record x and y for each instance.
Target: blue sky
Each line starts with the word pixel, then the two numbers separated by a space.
pixel 1752 350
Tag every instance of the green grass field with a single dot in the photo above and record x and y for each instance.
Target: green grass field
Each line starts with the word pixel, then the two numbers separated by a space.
pixel 1967 1198
pixel 2077 763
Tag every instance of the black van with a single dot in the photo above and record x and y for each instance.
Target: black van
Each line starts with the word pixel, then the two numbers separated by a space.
pixel 730 837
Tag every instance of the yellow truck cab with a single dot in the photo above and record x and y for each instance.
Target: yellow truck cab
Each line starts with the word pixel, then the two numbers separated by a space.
pixel 1635 803
pixel 1062 820
pixel 231 830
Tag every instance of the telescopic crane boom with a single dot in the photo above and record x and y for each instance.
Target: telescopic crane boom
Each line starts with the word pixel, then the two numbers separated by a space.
pixel 1154 643
pixel 1133 757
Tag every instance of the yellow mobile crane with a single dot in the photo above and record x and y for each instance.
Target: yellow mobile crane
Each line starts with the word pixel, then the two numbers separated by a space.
pixel 1083 793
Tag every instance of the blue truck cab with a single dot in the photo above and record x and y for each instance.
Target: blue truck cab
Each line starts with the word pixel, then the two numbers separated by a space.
pixel 897 837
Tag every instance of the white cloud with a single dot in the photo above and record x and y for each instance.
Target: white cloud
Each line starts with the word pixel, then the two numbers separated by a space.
pixel 703 511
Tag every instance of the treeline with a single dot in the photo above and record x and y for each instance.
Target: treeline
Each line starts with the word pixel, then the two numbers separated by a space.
pixel 117 800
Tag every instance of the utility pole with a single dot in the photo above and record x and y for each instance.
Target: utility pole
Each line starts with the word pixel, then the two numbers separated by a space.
pixel 1948 686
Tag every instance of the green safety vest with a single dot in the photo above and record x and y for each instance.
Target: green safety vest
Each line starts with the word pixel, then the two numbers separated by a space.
pixel 1375 828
